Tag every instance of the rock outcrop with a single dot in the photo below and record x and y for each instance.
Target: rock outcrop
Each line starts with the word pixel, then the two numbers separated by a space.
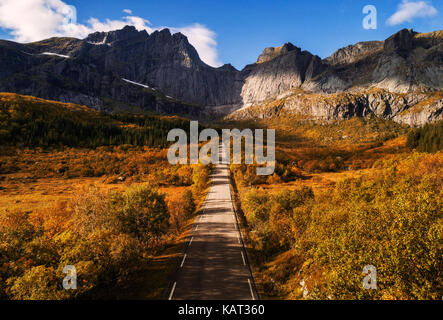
pixel 278 70
pixel 353 53
pixel 401 43
pixel 412 109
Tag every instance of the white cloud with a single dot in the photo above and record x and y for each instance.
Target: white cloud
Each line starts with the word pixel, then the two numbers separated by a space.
pixel 33 20
pixel 203 40
pixel 128 11
pixel 108 25
pixel 409 10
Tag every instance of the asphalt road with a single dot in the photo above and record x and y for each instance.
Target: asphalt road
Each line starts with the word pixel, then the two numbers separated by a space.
pixel 214 266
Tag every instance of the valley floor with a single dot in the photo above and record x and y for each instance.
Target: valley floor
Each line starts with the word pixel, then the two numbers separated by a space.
pixel 343 195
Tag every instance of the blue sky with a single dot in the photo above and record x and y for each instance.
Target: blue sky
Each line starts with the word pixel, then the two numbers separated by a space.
pixel 242 28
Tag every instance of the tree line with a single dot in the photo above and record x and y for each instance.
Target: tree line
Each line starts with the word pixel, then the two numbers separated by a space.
pixel 41 123
pixel 427 138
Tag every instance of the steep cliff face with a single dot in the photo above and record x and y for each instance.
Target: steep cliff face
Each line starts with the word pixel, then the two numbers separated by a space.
pixel 169 63
pixel 405 62
pixel 278 70
pixel 412 109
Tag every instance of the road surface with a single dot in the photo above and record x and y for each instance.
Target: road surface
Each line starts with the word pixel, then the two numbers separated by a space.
pixel 214 265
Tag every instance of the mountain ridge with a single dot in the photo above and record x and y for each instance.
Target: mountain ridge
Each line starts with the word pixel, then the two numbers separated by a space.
pixel 163 72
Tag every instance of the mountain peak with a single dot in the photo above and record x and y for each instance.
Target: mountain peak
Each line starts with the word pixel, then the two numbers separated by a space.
pixel 271 53
pixel 163 33
pixel 401 42
pixel 126 33
pixel 227 67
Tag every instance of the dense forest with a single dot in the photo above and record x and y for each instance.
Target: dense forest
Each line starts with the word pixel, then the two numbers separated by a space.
pixel 427 139
pixel 33 122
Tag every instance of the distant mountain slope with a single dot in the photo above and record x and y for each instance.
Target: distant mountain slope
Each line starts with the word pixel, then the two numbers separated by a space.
pixel 405 62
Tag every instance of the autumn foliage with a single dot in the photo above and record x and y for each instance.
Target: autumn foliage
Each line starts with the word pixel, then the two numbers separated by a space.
pixel 315 245
pixel 108 236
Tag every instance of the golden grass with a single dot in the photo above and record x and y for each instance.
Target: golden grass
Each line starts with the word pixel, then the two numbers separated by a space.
pixel 30 180
pixel 54 108
pixel 43 193
pixel 32 185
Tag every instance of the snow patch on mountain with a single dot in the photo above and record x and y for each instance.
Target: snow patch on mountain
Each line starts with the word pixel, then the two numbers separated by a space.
pixel 55 54
pixel 138 84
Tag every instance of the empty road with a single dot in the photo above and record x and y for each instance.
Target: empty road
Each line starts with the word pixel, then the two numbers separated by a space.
pixel 214 266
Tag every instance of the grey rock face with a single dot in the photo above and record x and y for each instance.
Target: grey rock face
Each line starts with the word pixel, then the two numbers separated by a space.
pixel 418 118
pixel 405 62
pixel 278 70
pixel 126 34
pixel 400 43
pixel 353 53
pixel 411 109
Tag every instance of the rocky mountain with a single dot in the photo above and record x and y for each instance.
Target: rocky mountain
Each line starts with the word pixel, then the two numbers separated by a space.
pixel 162 72
pixel 400 78
pixel 405 62
pixel 278 70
